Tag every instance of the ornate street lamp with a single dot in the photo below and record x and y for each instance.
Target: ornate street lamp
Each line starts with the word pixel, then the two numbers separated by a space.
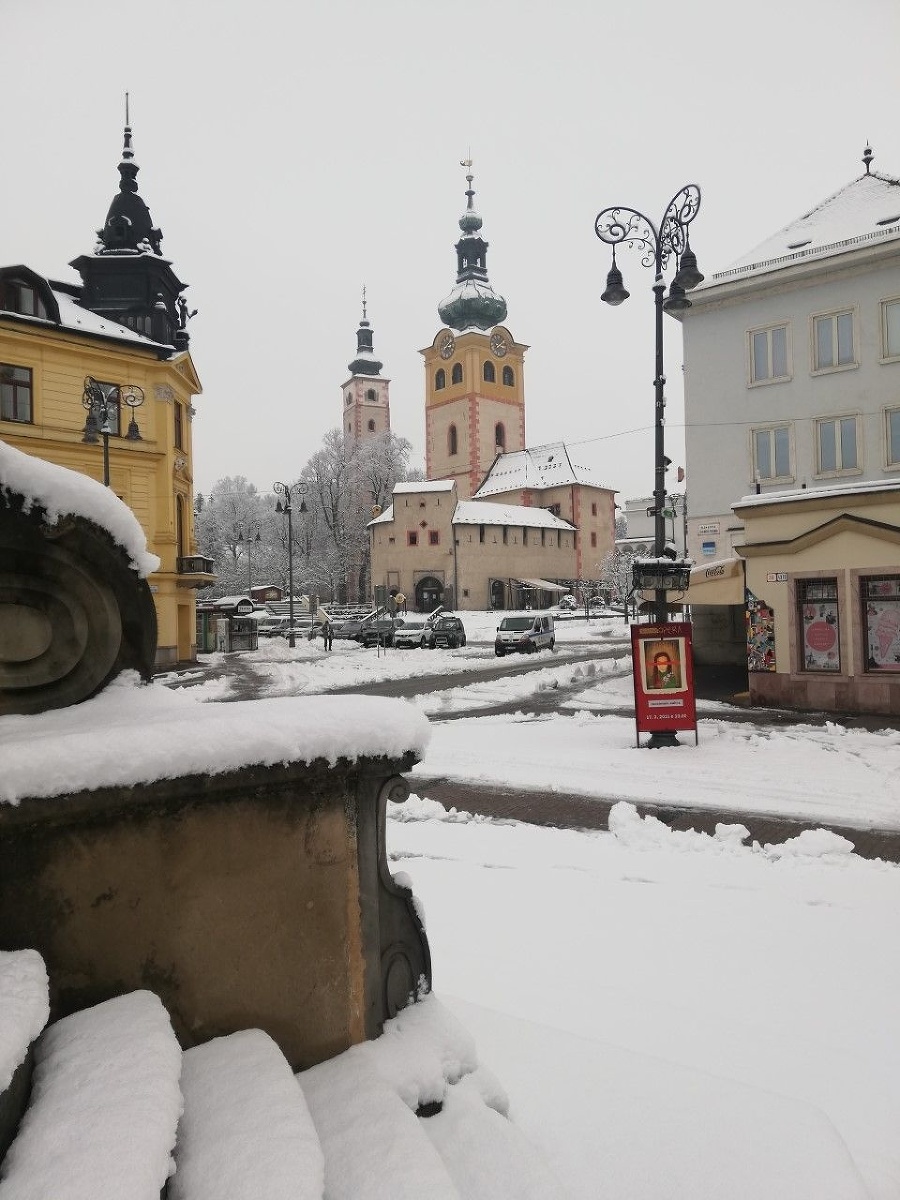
pixel 285 506
pixel 615 226
pixel 101 401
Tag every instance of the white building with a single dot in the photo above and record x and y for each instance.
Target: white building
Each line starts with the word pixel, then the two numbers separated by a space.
pixel 792 361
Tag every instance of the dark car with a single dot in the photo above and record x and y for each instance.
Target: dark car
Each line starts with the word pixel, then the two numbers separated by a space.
pixel 379 631
pixel 448 632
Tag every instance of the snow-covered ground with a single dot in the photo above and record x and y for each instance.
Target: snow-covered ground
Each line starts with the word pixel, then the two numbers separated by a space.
pixel 671 1014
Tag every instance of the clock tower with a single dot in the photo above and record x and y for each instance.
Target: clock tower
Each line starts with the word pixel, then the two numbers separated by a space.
pixel 474 387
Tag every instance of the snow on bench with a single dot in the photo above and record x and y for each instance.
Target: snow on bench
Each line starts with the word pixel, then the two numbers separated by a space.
pixel 24 1007
pixel 104 1108
pixel 246 1131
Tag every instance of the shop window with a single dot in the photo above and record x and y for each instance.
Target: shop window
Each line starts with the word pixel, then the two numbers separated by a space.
pixel 881 621
pixel 456 373
pixel 820 641
pixel 15 393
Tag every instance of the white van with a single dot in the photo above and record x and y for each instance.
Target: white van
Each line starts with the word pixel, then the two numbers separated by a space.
pixel 527 634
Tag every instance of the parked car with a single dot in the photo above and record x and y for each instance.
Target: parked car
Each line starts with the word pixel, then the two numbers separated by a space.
pixel 272 626
pixel 414 632
pixel 349 628
pixel 448 632
pixel 379 631
pixel 525 634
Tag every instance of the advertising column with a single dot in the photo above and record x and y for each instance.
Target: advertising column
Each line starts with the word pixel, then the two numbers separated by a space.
pixel 663 665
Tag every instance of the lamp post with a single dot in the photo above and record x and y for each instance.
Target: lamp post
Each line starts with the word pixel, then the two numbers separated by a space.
pixel 658 245
pixel 284 506
pixel 248 541
pixel 101 401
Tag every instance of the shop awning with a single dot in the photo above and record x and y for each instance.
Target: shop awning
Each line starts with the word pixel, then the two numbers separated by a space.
pixel 544 585
pixel 719 582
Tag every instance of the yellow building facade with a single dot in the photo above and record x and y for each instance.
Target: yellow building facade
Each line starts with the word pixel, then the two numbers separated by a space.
pixel 123 327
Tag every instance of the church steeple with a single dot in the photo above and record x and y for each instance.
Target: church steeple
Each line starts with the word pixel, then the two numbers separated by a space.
pixel 126 278
pixel 473 303
pixel 365 362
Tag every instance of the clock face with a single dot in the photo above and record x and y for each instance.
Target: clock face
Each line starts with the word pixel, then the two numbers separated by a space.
pixel 498 344
pixel 448 345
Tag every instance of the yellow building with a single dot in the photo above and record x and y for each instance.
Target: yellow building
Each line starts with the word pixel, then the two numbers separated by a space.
pixel 124 328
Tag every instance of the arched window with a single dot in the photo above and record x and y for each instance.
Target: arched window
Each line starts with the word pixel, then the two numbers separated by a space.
pixel 509 379
pixel 488 372
pixel 499 436
pixel 370 394
pixel 456 377
pixel 452 443
pixel 440 379
pixel 371 427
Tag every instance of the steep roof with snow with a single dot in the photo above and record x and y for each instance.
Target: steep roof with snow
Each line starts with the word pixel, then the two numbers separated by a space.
pixel 862 213
pixel 425 485
pixel 484 512
pixel 541 467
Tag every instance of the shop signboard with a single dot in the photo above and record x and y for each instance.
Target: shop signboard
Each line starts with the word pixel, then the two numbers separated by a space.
pixel 663 664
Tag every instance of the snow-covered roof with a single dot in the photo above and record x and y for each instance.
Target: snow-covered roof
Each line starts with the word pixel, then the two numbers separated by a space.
pixel 62 492
pixel 425 485
pixel 385 517
pixel 484 512
pixel 859 488
pixel 541 467
pixel 863 212
pixel 73 316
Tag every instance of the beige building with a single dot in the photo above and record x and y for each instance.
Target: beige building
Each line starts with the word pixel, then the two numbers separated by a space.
pixel 472 554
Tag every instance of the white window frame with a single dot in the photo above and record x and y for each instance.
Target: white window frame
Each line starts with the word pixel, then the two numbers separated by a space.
pixel 891 464
pixel 832 315
pixel 770 430
pixel 840 469
pixel 886 355
pixel 788 353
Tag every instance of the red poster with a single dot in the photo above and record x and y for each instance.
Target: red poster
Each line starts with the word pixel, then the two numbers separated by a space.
pixel 663 677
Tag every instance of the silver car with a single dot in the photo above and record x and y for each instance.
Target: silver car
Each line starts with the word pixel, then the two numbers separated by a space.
pixel 413 633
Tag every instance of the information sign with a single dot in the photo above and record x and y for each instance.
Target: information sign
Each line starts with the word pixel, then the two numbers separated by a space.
pixel 663 668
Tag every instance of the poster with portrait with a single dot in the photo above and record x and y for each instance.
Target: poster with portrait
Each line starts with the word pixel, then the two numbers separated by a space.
pixel 882 600
pixel 663 677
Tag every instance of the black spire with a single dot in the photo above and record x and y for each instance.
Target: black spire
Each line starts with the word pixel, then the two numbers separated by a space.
pixel 126 278
pixel 473 302
pixel 365 362
pixel 129 228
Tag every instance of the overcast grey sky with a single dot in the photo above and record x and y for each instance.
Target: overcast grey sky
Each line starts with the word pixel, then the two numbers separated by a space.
pixel 294 151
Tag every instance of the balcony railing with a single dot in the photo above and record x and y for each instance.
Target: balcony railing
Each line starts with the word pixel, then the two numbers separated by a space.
pixel 195 571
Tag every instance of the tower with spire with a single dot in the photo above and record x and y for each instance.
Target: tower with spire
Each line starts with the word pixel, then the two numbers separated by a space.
pixel 126 278
pixel 474 387
pixel 366 394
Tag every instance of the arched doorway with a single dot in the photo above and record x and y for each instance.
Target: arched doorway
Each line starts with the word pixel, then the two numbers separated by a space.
pixel 429 594
pixel 498 593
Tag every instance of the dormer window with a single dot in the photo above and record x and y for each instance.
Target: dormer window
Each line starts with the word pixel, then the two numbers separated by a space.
pixel 20 297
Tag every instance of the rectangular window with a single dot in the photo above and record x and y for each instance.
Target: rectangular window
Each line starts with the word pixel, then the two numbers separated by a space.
pixel 434 537
pixel 15 393
pixel 819 629
pixel 833 341
pixel 593 508
pixel 593 539
pixel 505 535
pixel 892 432
pixel 837 445
pixel 890 328
pixel 179 426
pixel 772 453
pixel 881 621
pixel 769 354
pixel 524 536
pixel 412 537
pixel 481 533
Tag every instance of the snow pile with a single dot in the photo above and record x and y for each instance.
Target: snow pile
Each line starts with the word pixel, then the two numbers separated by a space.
pixel 62 493
pixel 246 1131
pixel 104 1108
pixel 68 750
pixel 24 1007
